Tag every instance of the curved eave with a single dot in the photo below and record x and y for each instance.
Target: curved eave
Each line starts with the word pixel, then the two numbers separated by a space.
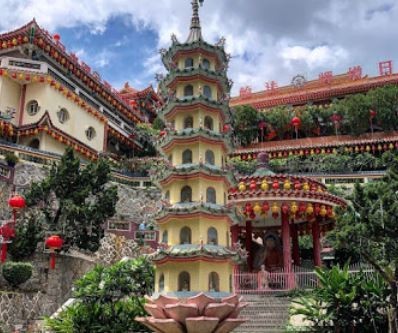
pixel 286 196
pixel 195 138
pixel 201 257
pixel 193 175
pixel 205 215
pixel 179 78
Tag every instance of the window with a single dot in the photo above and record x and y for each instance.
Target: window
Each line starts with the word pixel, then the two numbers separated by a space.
pixel 167 196
pixel 188 122
pixel 161 282
pixel 184 282
pixel 206 64
pixel 186 194
pixel 32 108
pixel 63 115
pixel 212 236
pixel 211 195
pixel 35 144
pixel 165 237
pixel 214 282
pixel 209 123
pixel 185 236
pixel 207 92
pixel 90 133
pixel 188 63
pixel 209 157
pixel 187 156
pixel 188 91
pixel 171 157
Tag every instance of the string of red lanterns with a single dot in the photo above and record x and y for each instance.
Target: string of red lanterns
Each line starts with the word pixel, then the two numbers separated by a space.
pixel 53 243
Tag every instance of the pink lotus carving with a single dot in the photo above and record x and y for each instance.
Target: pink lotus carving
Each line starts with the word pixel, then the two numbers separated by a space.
pixel 197 314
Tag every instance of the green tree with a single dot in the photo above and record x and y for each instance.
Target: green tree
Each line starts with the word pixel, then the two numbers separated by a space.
pixel 369 227
pixel 280 119
pixel 108 300
pixel 246 124
pixel 75 200
pixel 158 124
pixel 385 102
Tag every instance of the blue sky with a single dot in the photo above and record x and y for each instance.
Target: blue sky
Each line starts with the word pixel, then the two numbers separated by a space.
pixel 268 39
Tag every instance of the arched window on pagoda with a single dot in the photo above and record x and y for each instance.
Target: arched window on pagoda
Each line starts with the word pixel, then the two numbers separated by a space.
pixel 209 157
pixel 207 92
pixel 206 64
pixel 187 156
pixel 214 282
pixel 167 196
pixel 188 122
pixel 188 90
pixel 188 63
pixel 209 124
pixel 35 144
pixel 184 281
pixel 161 283
pixel 212 236
pixel 185 236
pixel 165 237
pixel 211 195
pixel 186 194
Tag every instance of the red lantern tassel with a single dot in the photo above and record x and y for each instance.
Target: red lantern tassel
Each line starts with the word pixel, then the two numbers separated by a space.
pixel 4 252
pixel 52 260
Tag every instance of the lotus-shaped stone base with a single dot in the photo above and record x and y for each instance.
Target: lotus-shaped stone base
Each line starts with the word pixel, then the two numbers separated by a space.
pixel 197 314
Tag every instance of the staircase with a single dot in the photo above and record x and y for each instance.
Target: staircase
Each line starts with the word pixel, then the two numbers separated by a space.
pixel 268 313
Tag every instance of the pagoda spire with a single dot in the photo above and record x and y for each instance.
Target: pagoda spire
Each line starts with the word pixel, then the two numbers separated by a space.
pixel 195 34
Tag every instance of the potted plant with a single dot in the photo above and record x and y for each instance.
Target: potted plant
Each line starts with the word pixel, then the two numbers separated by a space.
pixel 11 159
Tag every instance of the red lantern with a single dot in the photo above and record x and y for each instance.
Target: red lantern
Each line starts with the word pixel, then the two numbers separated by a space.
pixel 7 231
pixel 17 202
pixel 372 113
pixel 296 122
pixel 297 186
pixel 275 185
pixel 54 242
pixel 253 185
pixel 226 128
pixel 285 208
pixel 265 207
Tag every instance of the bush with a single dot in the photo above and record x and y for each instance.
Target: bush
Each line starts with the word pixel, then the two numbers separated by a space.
pixel 11 159
pixel 17 273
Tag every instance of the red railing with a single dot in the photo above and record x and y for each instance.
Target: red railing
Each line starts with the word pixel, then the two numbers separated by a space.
pixel 263 281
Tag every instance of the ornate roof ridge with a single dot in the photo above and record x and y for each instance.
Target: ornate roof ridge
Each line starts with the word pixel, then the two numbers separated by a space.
pixel 195 30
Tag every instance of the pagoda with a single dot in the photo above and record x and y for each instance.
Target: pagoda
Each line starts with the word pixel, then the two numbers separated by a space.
pixel 197 254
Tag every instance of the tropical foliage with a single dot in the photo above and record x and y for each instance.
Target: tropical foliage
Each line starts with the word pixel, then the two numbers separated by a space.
pixel 344 303
pixel 349 115
pixel 108 300
pixel 75 201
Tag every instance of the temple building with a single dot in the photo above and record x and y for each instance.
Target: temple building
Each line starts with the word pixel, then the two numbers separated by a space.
pixel 49 99
pixel 196 253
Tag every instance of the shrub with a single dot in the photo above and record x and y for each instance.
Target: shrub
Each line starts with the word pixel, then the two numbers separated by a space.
pixel 11 159
pixel 17 273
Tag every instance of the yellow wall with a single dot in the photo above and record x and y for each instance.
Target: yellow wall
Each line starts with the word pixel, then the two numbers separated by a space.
pixel 197 89
pixel 199 273
pixel 198 118
pixel 198 152
pixel 199 227
pixel 10 93
pixel 199 187
pixel 196 60
pixel 79 120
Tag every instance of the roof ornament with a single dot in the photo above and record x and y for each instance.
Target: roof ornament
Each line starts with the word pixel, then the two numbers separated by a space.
pixel 195 34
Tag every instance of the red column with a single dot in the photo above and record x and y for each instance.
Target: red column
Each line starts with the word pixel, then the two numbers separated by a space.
pixel 287 257
pixel 234 234
pixel 249 232
pixel 296 247
pixel 316 243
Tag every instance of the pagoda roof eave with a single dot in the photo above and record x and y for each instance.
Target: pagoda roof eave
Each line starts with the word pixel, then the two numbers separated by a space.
pixel 194 174
pixel 197 214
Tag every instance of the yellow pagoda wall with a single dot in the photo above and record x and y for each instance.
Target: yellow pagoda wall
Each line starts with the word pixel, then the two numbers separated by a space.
pixel 198 116
pixel 196 89
pixel 199 228
pixel 79 120
pixel 196 57
pixel 198 187
pixel 10 92
pixel 199 272
pixel 198 151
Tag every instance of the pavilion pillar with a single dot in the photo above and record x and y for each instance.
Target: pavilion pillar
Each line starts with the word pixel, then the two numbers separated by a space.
pixel 295 244
pixel 287 258
pixel 316 243
pixel 249 233
pixel 234 234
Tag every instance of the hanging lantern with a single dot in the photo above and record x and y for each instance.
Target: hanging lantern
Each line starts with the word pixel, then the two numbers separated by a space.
pixel 296 122
pixel 372 114
pixel 265 207
pixel 253 185
pixel 17 202
pixel 264 185
pixel 285 208
pixel 302 208
pixel 275 184
pixel 297 186
pixel 294 208
pixel 252 216
pixel 317 209
pixel 310 209
pixel 257 209
pixel 7 231
pixel 287 185
pixel 248 209
pixel 242 187
pixel 54 243
pixel 275 210
pixel 306 187
pixel 329 212
pixel 323 211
